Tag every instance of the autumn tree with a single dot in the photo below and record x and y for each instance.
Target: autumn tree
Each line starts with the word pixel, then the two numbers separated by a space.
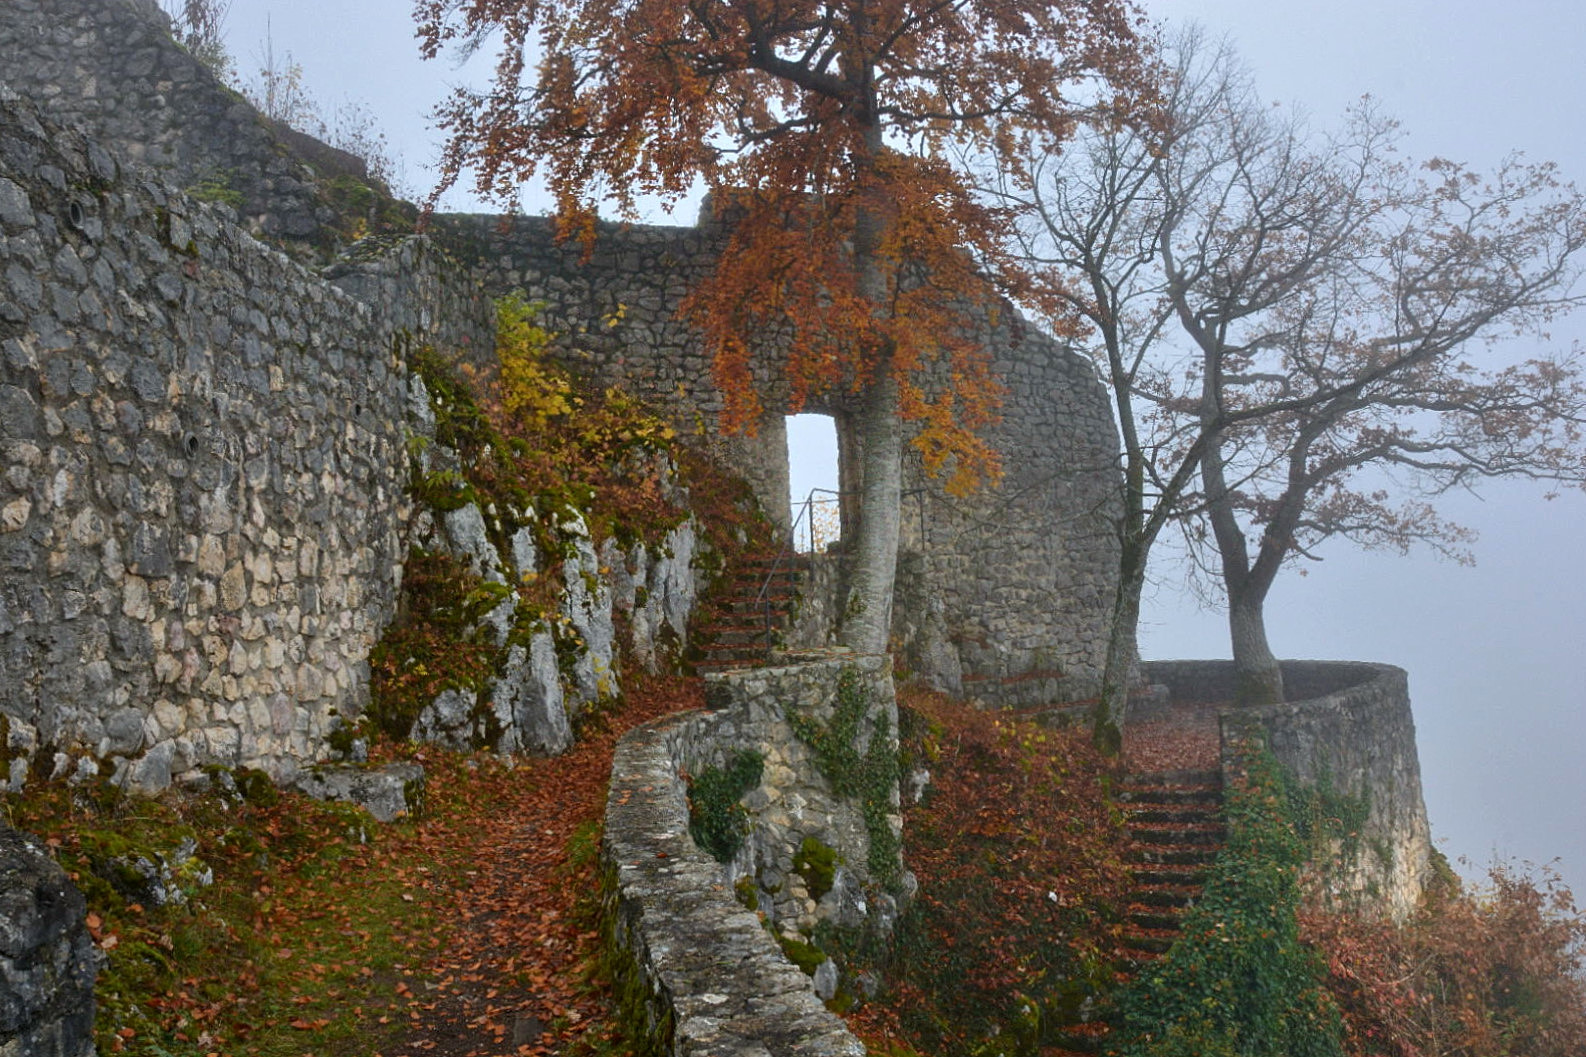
pixel 1301 332
pixel 820 129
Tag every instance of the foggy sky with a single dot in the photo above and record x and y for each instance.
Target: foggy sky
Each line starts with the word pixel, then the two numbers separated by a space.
pixel 1494 652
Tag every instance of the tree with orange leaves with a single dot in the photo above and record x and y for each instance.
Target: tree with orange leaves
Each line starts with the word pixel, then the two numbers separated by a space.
pixel 825 129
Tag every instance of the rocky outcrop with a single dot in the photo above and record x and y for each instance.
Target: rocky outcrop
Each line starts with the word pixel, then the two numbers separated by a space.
pixel 47 959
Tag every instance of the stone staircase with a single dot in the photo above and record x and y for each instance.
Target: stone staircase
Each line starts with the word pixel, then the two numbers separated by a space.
pixel 734 633
pixel 1175 833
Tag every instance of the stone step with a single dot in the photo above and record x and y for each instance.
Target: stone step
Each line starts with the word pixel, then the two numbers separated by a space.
pixel 1178 833
pixel 724 635
pixel 1150 875
pixel 1150 941
pixel 1171 796
pixel 1154 917
pixel 1190 813
pixel 1158 894
pixel 1171 854
pixel 750 607
pixel 1193 776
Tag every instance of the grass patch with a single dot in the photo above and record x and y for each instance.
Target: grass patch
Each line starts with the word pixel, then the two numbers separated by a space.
pixel 313 935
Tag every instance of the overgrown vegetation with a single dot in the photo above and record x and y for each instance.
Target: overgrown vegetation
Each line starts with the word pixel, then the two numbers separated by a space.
pixel 249 944
pixel 532 449
pixel 1239 982
pixel 440 643
pixel 868 775
pixel 1013 935
pixel 716 820
pixel 1497 970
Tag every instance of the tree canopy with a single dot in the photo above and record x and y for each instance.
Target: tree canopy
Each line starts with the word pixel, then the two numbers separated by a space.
pixel 821 129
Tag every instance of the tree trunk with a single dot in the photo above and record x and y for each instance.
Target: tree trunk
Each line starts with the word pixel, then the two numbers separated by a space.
pixel 866 620
pixel 1122 650
pixel 1257 678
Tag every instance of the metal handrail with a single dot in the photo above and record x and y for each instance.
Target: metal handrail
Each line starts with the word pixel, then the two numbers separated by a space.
pixel 763 599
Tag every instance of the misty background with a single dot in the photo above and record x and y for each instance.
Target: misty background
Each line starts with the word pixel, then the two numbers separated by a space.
pixel 1494 652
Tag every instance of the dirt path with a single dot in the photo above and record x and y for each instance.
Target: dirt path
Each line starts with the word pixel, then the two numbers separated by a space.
pixel 515 978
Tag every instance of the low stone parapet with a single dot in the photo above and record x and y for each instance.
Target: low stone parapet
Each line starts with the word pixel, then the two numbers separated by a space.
pixel 1347 730
pixel 698 972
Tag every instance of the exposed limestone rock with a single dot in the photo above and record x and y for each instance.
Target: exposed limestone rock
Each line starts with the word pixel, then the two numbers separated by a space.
pixel 387 792
pixel 48 962
pixel 528 700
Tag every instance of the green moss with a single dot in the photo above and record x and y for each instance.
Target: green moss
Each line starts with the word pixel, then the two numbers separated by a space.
pixel 647 1027
pixel 806 956
pixel 817 864
pixel 255 787
pixel 747 893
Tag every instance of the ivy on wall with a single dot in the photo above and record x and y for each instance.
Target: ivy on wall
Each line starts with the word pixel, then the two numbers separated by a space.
pixel 869 776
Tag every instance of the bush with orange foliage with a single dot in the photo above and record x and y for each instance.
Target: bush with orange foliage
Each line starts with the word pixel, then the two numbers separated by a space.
pixel 1492 973
pixel 1016 849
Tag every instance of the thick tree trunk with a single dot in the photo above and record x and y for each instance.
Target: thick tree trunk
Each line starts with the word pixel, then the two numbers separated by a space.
pixel 1258 680
pixel 866 619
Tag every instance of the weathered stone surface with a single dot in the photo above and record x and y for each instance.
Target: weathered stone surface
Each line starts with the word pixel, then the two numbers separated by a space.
pixel 528 700
pixel 587 605
pixel 387 792
pixel 1021 574
pixel 203 515
pixel 111 67
pixel 48 961
pixel 717 983
pixel 1347 724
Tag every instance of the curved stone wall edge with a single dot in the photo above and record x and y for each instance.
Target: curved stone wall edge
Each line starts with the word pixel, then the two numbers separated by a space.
pixel 1356 734
pixel 712 980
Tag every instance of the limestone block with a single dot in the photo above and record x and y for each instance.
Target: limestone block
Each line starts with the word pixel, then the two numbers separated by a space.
pixel 387 792
pixel 48 961
pixel 587 606
pixel 528 700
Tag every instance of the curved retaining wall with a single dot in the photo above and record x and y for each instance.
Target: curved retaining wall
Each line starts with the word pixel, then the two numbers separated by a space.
pixel 705 975
pixel 1348 727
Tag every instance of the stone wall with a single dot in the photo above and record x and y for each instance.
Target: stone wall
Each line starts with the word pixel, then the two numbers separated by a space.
pixel 1348 728
pixel 111 67
pixel 203 507
pixel 705 973
pixel 1020 575
pixel 47 958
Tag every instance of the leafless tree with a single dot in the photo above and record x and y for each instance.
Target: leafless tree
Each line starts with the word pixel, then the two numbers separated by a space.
pixel 200 27
pixel 1301 332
